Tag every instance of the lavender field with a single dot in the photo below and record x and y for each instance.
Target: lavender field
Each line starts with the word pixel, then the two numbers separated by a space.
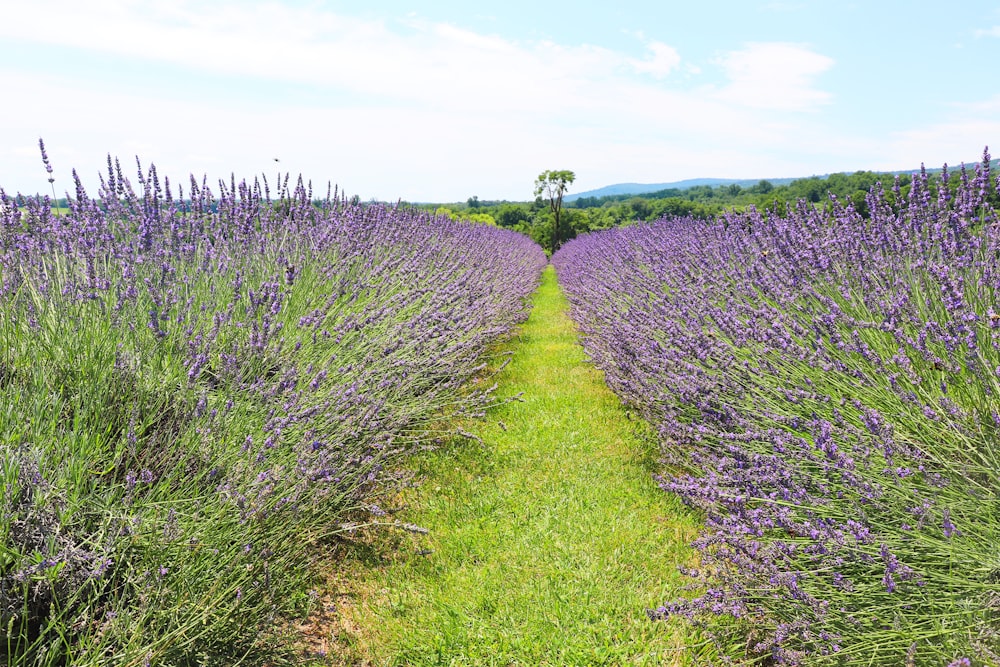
pixel 826 389
pixel 198 388
pixel 201 389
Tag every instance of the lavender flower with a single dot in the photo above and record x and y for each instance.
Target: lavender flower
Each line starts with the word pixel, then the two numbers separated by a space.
pixel 825 383
pixel 157 344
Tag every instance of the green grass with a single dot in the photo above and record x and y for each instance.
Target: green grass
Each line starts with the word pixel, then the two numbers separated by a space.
pixel 56 210
pixel 548 541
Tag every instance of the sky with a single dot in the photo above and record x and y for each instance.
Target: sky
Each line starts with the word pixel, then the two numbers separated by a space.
pixel 441 101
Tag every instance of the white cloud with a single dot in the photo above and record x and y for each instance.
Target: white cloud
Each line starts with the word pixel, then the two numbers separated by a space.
pixel 663 61
pixel 774 75
pixel 961 135
pixel 417 62
pixel 425 110
pixel 413 60
pixel 989 32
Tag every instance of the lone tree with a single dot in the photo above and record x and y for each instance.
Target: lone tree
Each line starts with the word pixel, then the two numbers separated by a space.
pixel 553 185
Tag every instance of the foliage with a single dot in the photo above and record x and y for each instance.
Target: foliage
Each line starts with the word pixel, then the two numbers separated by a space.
pixel 198 392
pixel 586 214
pixel 828 385
pixel 462 216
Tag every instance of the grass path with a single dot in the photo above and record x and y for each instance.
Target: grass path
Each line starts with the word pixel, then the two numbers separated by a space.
pixel 547 542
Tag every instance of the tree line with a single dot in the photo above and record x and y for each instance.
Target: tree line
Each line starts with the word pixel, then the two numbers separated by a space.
pixel 537 218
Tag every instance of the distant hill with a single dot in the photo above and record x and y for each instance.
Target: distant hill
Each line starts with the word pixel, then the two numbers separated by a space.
pixel 644 188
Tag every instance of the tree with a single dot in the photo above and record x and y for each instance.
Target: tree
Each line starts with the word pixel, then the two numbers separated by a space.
pixel 553 185
pixel 510 215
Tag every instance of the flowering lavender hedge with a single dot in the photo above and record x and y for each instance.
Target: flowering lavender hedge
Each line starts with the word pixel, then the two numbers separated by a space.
pixel 827 390
pixel 198 390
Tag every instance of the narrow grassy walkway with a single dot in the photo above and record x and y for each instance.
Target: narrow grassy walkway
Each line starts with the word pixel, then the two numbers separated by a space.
pixel 547 543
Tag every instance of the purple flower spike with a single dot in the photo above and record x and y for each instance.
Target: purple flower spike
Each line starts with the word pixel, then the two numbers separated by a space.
pixel 823 380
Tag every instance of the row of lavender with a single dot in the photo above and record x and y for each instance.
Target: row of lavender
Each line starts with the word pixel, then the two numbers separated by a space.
pixel 196 390
pixel 827 391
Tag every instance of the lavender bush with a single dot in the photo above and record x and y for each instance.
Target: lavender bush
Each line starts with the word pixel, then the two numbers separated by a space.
pixel 826 388
pixel 199 388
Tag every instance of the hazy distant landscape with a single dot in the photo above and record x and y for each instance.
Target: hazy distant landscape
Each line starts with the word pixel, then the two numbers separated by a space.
pixel 647 188
pixel 623 204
